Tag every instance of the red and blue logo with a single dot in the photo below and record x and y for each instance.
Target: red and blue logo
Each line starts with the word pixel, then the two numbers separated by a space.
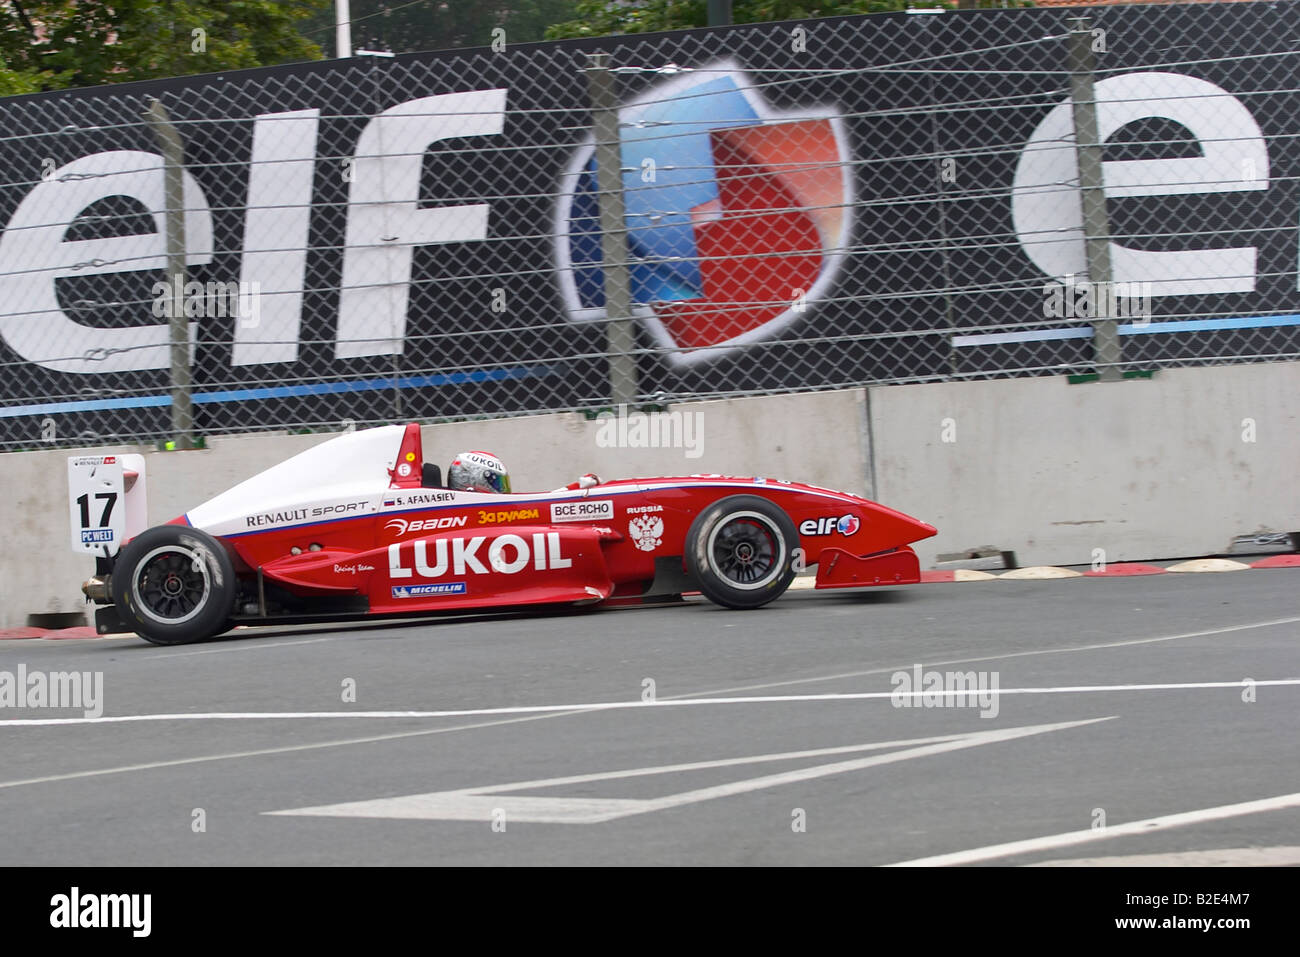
pixel 848 525
pixel 737 214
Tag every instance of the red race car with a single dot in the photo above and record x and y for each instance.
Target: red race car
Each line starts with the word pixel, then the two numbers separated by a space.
pixel 361 526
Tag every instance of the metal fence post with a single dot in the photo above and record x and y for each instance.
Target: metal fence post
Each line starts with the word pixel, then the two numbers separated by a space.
pixel 173 150
pixel 342 29
pixel 621 336
pixel 1092 198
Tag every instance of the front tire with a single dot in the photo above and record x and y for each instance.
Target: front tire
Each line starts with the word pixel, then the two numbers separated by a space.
pixel 174 585
pixel 740 551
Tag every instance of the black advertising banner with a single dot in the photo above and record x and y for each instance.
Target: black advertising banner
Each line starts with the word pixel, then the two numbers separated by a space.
pixel 809 205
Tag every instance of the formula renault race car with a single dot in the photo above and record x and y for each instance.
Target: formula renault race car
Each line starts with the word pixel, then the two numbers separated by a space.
pixel 361 526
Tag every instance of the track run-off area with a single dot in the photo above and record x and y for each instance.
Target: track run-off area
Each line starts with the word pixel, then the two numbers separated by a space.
pixel 1090 720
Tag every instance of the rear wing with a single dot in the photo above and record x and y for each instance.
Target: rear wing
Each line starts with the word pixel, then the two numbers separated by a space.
pixel 107 502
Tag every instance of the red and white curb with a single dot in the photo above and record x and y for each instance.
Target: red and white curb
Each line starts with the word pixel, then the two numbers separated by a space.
pixel 1115 570
pixel 82 631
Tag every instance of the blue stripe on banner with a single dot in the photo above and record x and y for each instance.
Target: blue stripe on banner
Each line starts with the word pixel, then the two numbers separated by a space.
pixel 284 391
pixel 1200 325
pixel 86 405
pixel 1085 332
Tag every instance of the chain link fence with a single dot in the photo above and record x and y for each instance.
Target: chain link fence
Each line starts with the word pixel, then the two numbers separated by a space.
pixel 841 202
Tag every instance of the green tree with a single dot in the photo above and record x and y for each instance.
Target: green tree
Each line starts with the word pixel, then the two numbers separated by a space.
pixel 597 18
pixel 440 24
pixel 65 43
pixel 18 81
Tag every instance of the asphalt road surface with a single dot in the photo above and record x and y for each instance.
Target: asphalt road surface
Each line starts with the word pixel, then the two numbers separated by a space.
pixel 1165 708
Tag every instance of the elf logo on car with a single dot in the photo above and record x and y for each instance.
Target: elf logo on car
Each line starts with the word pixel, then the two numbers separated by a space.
pixel 846 525
pixel 508 554
pixel 401 526
pixel 583 511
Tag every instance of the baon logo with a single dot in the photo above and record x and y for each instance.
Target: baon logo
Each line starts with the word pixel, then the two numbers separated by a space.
pixel 400 526
pixel 737 214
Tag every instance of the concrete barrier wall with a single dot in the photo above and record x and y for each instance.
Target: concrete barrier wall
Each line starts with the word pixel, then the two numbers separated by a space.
pixel 1144 469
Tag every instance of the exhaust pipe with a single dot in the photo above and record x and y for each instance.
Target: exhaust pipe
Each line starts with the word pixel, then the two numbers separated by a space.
pixel 96 590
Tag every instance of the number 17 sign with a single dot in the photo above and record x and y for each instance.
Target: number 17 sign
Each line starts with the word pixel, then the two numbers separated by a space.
pixel 100 515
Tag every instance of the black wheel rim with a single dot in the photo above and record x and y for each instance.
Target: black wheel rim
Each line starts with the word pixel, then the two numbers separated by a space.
pixel 172 585
pixel 745 551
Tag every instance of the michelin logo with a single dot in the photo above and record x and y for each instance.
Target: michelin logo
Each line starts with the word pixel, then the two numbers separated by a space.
pixel 420 591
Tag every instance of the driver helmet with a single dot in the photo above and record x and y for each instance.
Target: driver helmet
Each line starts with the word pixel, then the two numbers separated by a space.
pixel 478 472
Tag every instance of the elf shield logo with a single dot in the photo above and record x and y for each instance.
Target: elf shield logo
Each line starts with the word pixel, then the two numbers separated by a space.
pixel 737 214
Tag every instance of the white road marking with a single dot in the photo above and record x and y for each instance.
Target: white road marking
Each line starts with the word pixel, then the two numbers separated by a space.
pixel 1221 857
pixel 558 714
pixel 249 643
pixel 819 678
pixel 1011 654
pixel 175 762
pixel 1070 838
pixel 482 802
pixel 635 705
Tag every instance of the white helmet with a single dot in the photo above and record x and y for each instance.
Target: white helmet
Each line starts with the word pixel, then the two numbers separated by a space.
pixel 478 472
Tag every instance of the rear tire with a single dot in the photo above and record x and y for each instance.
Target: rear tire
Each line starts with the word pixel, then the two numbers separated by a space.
pixel 174 585
pixel 740 551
